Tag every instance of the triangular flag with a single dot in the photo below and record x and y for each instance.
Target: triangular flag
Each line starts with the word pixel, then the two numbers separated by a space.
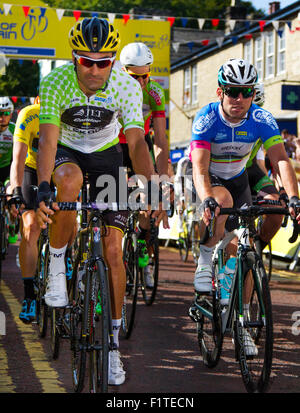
pixel 26 10
pixel 23 99
pixel 95 14
pixel 234 39
pixel 219 41
pixel 247 24
pixel 275 24
pixel 156 17
pixel 111 17
pixel 215 22
pixel 6 8
pixel 76 14
pixel 290 25
pixel 248 36
pixel 232 24
pixel 60 13
pixel 171 20
pixel 14 99
pixel 190 45
pixel 34 62
pixel 205 42
pixel 126 17
pixel 280 32
pixel 175 46
pixel 31 99
pixel 21 61
pixel 262 24
pixel 184 21
pixel 201 23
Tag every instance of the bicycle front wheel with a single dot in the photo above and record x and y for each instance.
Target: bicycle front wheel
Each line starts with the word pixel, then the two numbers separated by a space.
pixel 42 273
pixel 195 248
pixel 183 246
pixel 130 259
pixel 254 335
pixel 54 332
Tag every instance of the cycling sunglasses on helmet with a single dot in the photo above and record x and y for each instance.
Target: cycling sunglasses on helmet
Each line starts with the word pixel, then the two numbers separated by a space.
pixel 88 62
pixel 6 113
pixel 234 92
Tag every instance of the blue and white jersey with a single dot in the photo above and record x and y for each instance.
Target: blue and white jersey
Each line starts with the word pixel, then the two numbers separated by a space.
pixel 230 145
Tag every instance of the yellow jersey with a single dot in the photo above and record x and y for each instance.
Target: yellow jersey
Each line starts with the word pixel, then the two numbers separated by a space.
pixel 27 131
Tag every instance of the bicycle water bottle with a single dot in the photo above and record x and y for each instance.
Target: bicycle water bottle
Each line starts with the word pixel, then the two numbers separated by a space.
pixel 223 295
pixel 226 280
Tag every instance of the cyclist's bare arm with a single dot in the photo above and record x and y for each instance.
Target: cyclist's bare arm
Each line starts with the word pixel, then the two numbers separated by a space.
pixel 139 153
pixel 278 156
pixel 160 145
pixel 17 169
pixel 201 161
pixel 49 134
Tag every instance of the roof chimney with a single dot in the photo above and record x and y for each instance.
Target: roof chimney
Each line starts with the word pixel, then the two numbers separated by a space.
pixel 274 6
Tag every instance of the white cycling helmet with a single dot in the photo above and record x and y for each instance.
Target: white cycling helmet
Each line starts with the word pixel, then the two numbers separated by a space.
pixel 260 94
pixel 237 72
pixel 6 103
pixel 136 54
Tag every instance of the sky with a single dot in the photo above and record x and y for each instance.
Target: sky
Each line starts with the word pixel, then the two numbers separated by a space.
pixel 264 4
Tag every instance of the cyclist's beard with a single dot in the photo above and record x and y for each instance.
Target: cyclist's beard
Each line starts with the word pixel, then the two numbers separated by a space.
pixel 234 117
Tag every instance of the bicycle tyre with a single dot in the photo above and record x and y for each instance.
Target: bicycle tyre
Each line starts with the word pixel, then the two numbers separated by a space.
pixel 54 333
pixel 131 263
pixel 269 257
pixel 183 246
pixel 256 368
pixel 150 293
pixel 42 308
pixel 77 333
pixel 98 363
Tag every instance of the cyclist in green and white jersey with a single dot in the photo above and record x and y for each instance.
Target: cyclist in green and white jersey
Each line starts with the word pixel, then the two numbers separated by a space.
pixel 79 128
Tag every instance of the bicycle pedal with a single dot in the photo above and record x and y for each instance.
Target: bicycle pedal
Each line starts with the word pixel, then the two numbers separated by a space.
pixel 193 313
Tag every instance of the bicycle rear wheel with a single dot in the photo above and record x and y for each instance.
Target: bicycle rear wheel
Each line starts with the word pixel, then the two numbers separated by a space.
pixel 130 259
pixel 149 293
pixel 257 328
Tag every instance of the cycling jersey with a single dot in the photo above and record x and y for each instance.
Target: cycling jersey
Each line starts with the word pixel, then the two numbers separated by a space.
pixel 90 124
pixel 231 144
pixel 27 131
pixel 153 106
pixel 6 145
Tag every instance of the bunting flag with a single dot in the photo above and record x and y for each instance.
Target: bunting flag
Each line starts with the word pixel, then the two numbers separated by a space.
pixel 26 10
pixel 60 13
pixel 232 24
pixel 248 36
pixel 6 8
pixel 76 14
pixel 14 98
pixel 201 23
pixel 220 41
pixel 175 46
pixel 205 42
pixel 184 21
pixel 111 17
pixel 275 24
pixel 215 22
pixel 262 24
pixel 191 45
pixel 171 20
pixel 126 17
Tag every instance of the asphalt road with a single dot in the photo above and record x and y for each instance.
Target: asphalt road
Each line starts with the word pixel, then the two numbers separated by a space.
pixel 162 355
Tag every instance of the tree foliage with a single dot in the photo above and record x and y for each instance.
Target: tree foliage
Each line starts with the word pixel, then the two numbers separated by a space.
pixel 21 79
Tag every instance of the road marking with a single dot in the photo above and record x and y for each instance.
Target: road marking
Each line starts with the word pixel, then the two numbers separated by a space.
pixel 47 376
pixel 6 382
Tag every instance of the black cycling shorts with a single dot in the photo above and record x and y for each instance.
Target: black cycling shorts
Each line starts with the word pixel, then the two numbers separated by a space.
pixel 95 165
pixel 29 188
pixel 260 183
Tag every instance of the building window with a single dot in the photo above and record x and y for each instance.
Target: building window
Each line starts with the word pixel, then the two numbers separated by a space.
pixel 258 56
pixel 248 51
pixel 194 85
pixel 270 57
pixel 281 52
pixel 187 87
pixel 190 88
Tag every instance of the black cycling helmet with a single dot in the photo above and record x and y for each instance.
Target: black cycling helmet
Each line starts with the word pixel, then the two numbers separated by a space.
pixel 94 35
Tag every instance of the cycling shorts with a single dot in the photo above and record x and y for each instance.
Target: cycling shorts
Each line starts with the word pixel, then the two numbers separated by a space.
pixel 97 164
pixel 30 182
pixel 260 184
pixel 4 174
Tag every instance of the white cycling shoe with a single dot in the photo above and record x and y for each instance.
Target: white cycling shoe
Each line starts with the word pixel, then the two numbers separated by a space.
pixel 249 345
pixel 56 290
pixel 149 279
pixel 203 279
pixel 116 373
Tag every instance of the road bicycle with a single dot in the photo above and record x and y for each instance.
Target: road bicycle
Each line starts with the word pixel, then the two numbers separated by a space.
pixel 4 224
pixel 189 239
pixel 87 321
pixel 248 315
pixel 135 275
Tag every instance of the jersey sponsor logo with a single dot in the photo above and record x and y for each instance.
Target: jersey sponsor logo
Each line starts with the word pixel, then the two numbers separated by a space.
pixel 204 122
pixel 155 96
pixel 241 133
pixel 7 138
pixel 262 116
pixel 220 136
pixel 28 120
pixel 103 99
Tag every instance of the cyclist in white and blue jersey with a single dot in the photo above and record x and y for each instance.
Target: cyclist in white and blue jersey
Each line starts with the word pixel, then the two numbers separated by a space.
pixel 223 136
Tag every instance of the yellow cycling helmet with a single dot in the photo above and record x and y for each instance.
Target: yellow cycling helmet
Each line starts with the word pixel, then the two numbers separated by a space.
pixel 94 35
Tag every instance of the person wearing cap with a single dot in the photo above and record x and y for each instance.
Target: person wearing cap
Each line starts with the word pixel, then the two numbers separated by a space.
pixel 79 128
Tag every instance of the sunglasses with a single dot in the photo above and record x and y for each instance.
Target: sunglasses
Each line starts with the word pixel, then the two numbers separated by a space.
pixel 6 113
pixel 234 92
pixel 88 62
pixel 142 75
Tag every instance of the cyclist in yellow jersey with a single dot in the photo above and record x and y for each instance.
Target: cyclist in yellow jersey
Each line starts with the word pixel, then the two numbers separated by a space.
pixel 80 104
pixel 22 177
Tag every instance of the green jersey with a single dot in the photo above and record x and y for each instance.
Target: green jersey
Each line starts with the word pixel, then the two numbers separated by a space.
pixel 6 145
